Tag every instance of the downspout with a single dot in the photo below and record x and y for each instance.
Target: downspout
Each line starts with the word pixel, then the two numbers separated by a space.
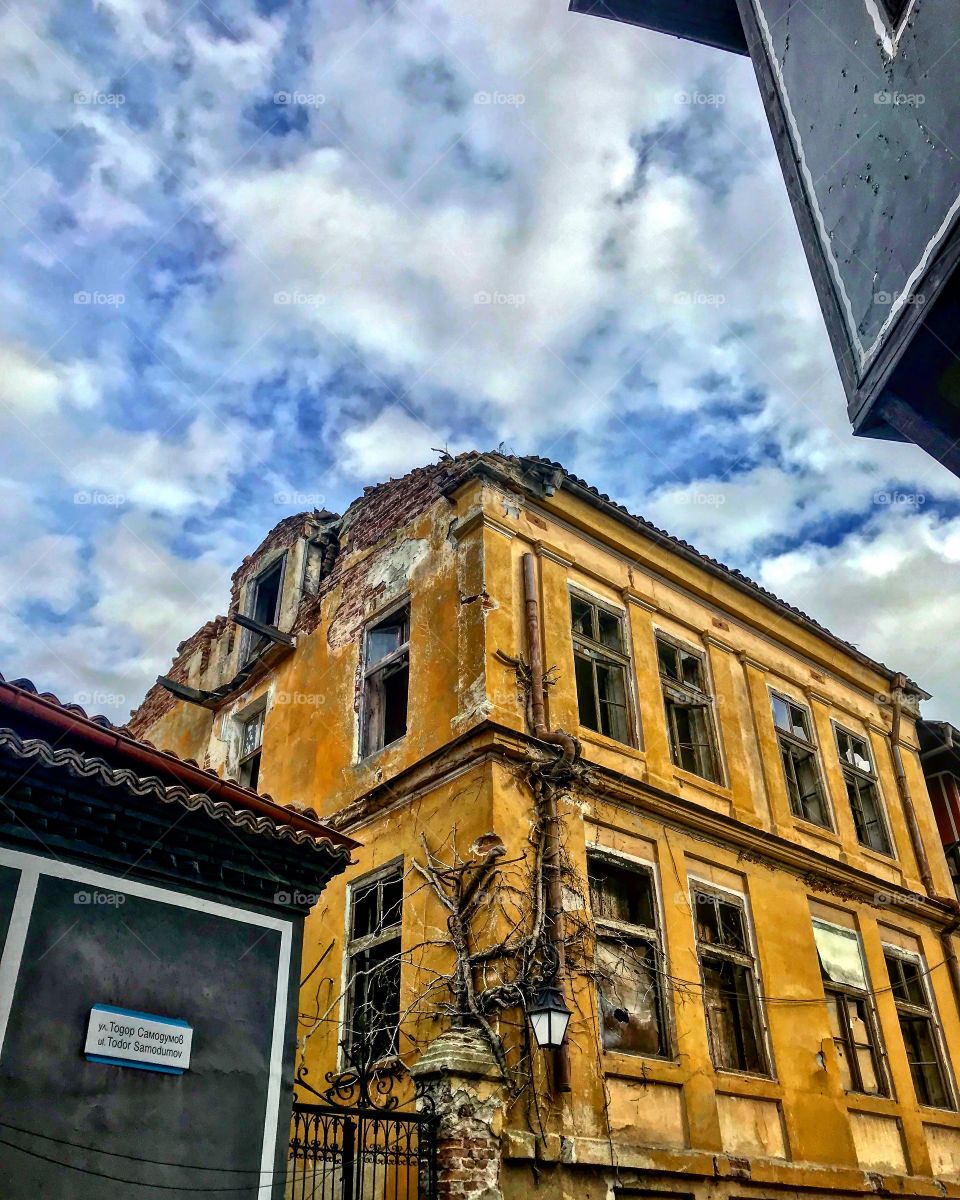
pixel 916 839
pixel 550 813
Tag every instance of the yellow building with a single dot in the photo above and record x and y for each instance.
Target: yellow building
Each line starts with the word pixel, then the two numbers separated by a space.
pixel 748 909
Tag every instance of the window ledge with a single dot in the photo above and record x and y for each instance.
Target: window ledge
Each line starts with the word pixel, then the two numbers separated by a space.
pixel 642 1069
pixel 817 831
pixel 376 756
pixel 735 1083
pixel 858 1102
pixel 888 860
pixel 717 789
pixel 593 738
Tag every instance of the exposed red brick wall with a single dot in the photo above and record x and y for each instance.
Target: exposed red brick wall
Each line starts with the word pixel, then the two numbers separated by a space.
pixel 466 1167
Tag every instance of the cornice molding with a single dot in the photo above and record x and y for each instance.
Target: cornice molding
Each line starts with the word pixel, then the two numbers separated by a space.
pixel 491 742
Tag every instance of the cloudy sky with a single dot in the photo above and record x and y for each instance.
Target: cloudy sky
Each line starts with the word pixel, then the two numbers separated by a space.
pixel 258 254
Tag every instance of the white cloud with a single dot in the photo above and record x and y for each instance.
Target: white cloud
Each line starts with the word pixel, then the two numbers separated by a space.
pixel 391 444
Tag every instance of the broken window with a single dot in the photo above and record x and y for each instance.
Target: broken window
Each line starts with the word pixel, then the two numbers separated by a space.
pixel 918 1024
pixel 263 604
pixel 628 957
pixel 600 665
pixel 251 747
pixel 689 709
pixel 798 753
pixel 850 1009
pixel 373 963
pixel 386 680
pixel 863 792
pixel 728 970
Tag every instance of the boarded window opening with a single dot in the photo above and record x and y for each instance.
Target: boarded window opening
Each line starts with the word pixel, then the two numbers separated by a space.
pixel 373 958
pixel 728 971
pixel 386 681
pixel 600 668
pixel 689 710
pixel 628 957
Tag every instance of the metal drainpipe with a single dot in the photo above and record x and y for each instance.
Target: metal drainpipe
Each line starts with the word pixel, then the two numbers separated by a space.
pixel 554 892
pixel 916 839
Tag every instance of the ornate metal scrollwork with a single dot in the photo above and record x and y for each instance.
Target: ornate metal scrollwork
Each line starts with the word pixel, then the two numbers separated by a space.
pixel 364 1082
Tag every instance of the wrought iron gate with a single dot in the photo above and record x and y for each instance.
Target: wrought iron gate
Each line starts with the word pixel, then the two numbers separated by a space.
pixel 359 1144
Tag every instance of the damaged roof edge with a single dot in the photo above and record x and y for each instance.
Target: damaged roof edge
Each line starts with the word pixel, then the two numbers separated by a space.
pixel 585 492
pixel 521 472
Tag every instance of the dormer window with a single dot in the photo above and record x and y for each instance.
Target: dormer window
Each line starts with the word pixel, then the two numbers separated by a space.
pixel 263 604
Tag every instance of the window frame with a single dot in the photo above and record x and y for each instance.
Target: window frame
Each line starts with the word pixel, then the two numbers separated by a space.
pixel 929 1013
pixel 355 946
pixel 843 990
pixel 748 958
pixel 694 697
pixel 382 665
pixel 790 741
pixel 252 643
pixel 244 721
pixel 595 651
pixel 608 930
pixel 858 777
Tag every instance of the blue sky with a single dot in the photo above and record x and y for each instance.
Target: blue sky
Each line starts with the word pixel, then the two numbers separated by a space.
pixel 257 255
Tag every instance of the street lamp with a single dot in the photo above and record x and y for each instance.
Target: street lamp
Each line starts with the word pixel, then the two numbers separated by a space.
pixel 549 1017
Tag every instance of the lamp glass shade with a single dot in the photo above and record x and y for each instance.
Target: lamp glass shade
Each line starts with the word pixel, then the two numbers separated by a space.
pixel 549 1017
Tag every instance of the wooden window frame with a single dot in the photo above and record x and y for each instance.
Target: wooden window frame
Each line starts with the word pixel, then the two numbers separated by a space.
pixel 788 742
pixel 746 959
pixel 354 947
pixel 246 760
pixel 596 651
pixel 856 778
pixel 926 1012
pixel 847 991
pixel 372 732
pixel 253 643
pixel 612 932
pixel 677 694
